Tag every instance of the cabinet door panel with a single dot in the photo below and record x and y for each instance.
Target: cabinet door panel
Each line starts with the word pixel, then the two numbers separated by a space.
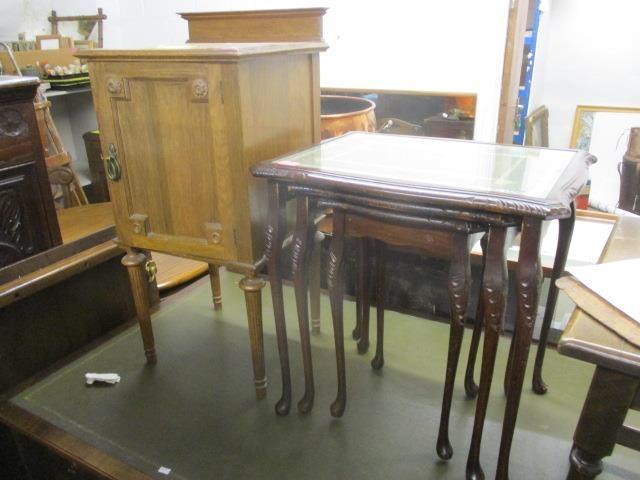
pixel 19 214
pixel 171 178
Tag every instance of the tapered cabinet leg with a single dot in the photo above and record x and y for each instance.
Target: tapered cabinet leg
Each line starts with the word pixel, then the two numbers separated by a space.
pixel 302 239
pixel 314 282
pixel 458 288
pixel 493 297
pixel 610 396
pixel 528 277
pixel 378 360
pixel 135 261
pixel 274 236
pixel 216 293
pixel 252 287
pixel 470 386
pixel 335 281
pixel 562 252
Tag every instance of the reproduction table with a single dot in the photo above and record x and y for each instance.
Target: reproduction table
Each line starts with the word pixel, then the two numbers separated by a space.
pixel 441 183
pixel 615 386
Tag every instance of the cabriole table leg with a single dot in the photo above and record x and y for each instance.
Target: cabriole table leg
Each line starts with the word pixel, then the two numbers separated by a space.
pixel 335 281
pixel 274 237
pixel 528 277
pixel 493 296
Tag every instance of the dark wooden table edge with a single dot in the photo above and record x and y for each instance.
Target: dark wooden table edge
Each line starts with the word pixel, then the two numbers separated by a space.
pixel 67 445
pixel 594 353
pixel 39 280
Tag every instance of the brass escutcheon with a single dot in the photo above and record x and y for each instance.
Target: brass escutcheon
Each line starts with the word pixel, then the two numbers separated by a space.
pixel 152 269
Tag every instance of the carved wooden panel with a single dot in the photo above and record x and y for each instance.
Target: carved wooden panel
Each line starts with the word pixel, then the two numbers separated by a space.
pixel 16 227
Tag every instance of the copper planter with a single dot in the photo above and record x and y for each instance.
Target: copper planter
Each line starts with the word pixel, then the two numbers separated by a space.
pixel 341 114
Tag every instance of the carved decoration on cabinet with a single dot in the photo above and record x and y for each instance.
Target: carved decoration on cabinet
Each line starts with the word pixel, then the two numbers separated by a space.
pixel 12 124
pixel 16 242
pixel 200 89
pixel 114 86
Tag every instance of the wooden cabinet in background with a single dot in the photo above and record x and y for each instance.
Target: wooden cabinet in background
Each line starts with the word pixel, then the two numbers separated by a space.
pixel 287 25
pixel 180 128
pixel 28 222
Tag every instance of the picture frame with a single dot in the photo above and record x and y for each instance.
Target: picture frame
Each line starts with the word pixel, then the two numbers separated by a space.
pixel 603 131
pixel 53 42
pixel 48 42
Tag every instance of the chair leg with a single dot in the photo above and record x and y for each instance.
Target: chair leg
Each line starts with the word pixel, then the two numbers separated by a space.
pixel 458 286
pixel 470 386
pixel 378 359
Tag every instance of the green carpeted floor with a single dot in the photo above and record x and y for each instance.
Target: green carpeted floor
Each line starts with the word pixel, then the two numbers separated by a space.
pixel 195 411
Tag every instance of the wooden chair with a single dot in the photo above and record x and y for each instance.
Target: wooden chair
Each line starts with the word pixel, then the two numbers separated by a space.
pixel 67 190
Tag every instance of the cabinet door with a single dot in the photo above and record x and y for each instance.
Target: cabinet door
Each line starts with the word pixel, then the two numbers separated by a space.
pixel 21 221
pixel 165 125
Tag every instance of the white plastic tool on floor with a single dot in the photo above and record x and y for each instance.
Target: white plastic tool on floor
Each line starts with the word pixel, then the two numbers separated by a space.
pixel 102 377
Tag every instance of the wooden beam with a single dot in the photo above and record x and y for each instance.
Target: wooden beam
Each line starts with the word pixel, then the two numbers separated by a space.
pixel 511 69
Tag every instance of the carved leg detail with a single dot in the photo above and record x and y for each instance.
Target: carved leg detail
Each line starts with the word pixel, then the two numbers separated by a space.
pixel 335 282
pixel 135 262
pixel 528 276
pixel 378 360
pixel 252 287
pixel 458 287
pixel 470 386
pixel 562 251
pixel 364 271
pixel 303 235
pixel 493 297
pixel 214 276
pixel 610 396
pixel 273 247
pixel 314 282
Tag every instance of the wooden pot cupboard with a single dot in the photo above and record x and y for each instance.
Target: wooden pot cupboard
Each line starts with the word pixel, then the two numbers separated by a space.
pixel 181 127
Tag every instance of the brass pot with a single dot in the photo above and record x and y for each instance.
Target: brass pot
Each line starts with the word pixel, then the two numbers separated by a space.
pixel 340 114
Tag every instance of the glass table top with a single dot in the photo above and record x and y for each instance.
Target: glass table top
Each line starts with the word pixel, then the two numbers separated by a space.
pixel 434 162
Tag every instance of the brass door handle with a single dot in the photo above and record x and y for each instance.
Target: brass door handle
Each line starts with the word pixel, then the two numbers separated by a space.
pixel 114 172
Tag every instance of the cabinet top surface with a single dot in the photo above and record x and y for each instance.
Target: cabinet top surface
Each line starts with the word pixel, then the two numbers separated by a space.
pixel 505 178
pixel 256 13
pixel 205 51
pixel 11 81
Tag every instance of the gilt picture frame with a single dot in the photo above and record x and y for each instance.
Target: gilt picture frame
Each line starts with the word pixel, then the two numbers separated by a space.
pixel 604 131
